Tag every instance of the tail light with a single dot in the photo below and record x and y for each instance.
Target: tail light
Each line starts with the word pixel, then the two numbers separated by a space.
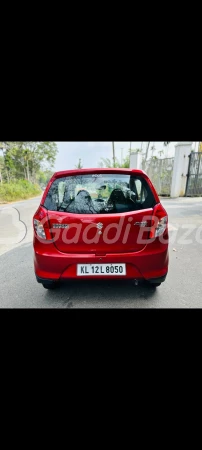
pixel 159 222
pixel 41 224
pixel 39 229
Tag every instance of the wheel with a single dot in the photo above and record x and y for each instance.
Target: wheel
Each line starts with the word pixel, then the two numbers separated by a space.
pixel 154 284
pixel 52 285
pixel 148 284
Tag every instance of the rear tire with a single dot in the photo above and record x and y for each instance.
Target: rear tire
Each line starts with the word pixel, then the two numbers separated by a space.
pixel 155 282
pixel 148 284
pixel 51 286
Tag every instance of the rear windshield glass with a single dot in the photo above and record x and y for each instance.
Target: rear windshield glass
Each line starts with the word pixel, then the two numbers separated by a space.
pixel 99 194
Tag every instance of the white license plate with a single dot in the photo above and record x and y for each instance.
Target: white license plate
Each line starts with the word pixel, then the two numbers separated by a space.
pixel 100 269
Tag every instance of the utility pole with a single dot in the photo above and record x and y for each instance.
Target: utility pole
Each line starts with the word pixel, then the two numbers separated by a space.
pixel 121 156
pixel 114 161
pixel 147 150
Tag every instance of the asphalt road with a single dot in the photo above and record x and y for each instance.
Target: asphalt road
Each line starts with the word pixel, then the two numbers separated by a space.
pixel 182 288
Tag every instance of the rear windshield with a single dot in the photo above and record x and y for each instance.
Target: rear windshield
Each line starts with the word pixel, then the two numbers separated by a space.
pixel 99 194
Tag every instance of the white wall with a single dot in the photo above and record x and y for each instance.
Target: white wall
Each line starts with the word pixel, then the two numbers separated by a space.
pixel 135 161
pixel 180 170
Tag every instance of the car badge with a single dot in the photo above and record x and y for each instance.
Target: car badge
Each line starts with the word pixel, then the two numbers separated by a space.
pixel 60 225
pixel 100 226
pixel 140 224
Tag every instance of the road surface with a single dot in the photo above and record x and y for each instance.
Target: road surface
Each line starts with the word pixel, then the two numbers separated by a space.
pixel 182 289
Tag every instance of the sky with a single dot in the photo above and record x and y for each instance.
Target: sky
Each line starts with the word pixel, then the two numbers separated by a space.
pixel 91 153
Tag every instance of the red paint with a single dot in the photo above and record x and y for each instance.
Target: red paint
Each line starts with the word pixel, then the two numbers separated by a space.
pixel 59 259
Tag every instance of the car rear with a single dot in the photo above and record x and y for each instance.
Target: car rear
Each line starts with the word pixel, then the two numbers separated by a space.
pixel 103 223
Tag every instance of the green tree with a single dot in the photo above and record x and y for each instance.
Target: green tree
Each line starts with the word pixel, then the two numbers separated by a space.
pixel 148 145
pixel 126 161
pixel 107 162
pixel 1 168
pixel 43 177
pixel 79 165
pixel 25 159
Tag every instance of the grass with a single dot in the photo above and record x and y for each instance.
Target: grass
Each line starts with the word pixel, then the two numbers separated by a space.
pixel 19 190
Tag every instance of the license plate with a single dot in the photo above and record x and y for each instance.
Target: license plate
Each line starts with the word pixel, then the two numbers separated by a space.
pixel 100 269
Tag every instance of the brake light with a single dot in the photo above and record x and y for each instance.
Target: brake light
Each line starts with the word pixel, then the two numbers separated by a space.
pixel 41 224
pixel 159 222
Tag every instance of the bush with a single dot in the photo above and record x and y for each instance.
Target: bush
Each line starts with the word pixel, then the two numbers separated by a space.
pixel 20 190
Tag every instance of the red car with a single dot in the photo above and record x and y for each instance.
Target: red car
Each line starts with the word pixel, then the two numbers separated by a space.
pixel 100 223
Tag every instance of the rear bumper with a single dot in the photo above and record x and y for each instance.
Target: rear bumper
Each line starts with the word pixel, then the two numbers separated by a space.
pixel 149 263
pixel 50 280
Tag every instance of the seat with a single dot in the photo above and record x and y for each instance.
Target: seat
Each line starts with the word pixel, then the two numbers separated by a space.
pixel 119 202
pixel 83 195
pixel 83 202
pixel 117 196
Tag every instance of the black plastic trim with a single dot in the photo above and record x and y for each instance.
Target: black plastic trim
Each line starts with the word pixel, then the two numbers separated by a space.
pixel 45 280
pixel 157 280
